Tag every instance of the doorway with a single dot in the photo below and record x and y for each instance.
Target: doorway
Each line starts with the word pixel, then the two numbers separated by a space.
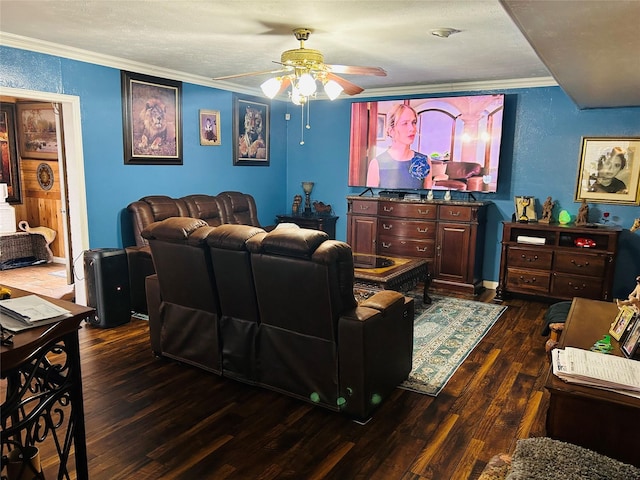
pixel 71 174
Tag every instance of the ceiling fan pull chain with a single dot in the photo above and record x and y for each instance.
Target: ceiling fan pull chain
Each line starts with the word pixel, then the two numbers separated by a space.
pixel 308 115
pixel 302 124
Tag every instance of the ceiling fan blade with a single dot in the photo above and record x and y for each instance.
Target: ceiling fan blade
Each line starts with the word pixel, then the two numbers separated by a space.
pixel 248 74
pixel 349 88
pixel 355 70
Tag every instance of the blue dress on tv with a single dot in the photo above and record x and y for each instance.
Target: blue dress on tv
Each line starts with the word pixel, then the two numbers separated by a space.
pixel 403 174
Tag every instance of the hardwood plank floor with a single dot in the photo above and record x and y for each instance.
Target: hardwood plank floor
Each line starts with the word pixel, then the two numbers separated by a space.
pixel 151 418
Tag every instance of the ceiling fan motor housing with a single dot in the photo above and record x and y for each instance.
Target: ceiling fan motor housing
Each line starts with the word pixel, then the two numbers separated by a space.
pixel 302 57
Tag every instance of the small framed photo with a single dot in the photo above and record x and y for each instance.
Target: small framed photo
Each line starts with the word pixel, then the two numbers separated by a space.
pixel 526 209
pixel 250 131
pixel 609 170
pixel 209 127
pixel 630 344
pixel 152 120
pixel 37 131
pixel 620 324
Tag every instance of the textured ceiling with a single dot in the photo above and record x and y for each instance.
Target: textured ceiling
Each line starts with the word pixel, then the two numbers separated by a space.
pixel 197 40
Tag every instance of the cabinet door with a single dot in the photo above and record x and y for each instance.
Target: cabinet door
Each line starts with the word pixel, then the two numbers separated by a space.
pixel 453 250
pixel 361 235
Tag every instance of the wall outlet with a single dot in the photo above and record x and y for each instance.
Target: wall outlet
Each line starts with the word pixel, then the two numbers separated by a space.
pixel 287 116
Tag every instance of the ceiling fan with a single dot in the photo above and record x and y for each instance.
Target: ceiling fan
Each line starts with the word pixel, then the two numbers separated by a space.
pixel 302 67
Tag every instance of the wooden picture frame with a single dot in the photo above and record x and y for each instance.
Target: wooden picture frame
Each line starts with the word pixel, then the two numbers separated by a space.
pixel 209 127
pixel 251 124
pixel 620 324
pixel 152 120
pixel 9 169
pixel 630 343
pixel 525 209
pixel 37 133
pixel 609 170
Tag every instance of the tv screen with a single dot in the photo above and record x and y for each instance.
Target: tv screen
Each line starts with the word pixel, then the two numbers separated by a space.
pixel 446 143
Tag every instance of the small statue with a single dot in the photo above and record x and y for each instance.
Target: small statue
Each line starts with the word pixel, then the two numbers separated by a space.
pixel 633 299
pixel 297 201
pixel 583 214
pixel 547 209
pixel 321 208
pixel 636 225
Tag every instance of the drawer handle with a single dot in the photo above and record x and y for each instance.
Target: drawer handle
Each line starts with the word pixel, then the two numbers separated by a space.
pixel 526 280
pixel 423 212
pixel 420 230
pixel 577 287
pixel 421 249
pixel 386 245
pixel 454 214
pixel 364 207
pixel 529 259
pixel 387 227
pixel 387 209
pixel 580 265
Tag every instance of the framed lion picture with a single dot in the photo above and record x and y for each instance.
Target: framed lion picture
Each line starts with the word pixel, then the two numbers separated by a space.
pixel 152 120
pixel 250 131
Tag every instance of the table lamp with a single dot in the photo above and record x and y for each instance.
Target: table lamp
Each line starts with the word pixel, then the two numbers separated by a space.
pixel 307 187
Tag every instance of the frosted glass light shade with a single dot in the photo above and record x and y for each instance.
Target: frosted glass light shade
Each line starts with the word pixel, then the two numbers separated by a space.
pixel 306 84
pixel 333 89
pixel 271 87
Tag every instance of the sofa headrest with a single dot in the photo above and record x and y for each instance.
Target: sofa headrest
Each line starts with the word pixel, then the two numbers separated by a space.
pixel 232 237
pixel 300 243
pixel 206 207
pixel 178 229
pixel 164 207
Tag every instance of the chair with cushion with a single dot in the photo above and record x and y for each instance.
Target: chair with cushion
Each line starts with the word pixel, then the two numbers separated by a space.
pixel 185 326
pixel 315 343
pixel 240 209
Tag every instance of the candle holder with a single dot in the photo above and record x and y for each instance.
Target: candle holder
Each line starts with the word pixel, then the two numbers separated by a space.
pixel 307 188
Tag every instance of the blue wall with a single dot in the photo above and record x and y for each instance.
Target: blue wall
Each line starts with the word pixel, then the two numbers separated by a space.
pixel 540 154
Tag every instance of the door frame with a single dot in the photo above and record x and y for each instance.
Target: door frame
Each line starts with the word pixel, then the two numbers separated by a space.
pixel 72 180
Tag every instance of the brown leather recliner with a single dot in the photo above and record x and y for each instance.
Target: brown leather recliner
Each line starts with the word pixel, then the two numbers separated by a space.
pixel 155 208
pixel 186 325
pixel 240 209
pixel 314 342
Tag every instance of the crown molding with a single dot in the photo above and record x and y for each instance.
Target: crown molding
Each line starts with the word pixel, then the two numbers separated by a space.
pixel 41 46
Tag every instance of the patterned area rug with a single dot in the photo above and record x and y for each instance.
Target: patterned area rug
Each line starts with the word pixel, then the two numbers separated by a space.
pixel 444 334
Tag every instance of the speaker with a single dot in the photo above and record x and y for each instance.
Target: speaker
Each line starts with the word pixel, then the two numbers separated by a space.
pixel 106 276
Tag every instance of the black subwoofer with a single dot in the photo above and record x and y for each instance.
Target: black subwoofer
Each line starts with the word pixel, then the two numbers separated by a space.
pixel 106 276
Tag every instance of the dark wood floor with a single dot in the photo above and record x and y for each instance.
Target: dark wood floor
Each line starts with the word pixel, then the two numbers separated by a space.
pixel 150 418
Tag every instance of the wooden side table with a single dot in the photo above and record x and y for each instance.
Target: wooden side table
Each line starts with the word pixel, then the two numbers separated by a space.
pixel 597 419
pixel 326 223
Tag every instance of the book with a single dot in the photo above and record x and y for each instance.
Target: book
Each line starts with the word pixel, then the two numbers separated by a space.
pixel 29 311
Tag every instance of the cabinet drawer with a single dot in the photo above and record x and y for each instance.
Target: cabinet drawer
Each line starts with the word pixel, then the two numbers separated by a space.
pixel 530 258
pixel 591 265
pixel 364 207
pixel 528 281
pixel 569 286
pixel 404 247
pixel 407 228
pixel 455 212
pixel 408 210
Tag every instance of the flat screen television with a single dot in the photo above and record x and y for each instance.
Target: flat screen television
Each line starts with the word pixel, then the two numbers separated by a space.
pixel 461 137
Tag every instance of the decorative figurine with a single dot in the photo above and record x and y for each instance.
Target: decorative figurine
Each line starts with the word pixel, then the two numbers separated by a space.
pixel 633 299
pixel 430 197
pixel 583 214
pixel 636 225
pixel 297 201
pixel 321 208
pixel 547 209
pixel 525 202
pixel 447 195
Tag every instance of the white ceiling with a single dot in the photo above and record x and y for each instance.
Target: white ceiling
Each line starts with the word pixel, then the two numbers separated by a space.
pixel 197 40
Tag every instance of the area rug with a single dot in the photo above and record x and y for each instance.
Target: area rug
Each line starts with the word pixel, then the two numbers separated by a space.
pixel 444 334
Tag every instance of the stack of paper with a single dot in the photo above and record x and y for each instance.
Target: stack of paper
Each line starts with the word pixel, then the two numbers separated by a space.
pixel 599 370
pixel 531 240
pixel 27 312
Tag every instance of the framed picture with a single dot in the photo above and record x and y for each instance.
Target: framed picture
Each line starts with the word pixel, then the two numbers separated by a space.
pixel 620 324
pixel 526 209
pixel 37 131
pixel 250 131
pixel 630 343
pixel 381 127
pixel 209 127
pixel 9 171
pixel 152 120
pixel 609 170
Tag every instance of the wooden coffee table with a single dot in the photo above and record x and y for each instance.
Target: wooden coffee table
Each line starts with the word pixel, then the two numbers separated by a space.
pixel 394 273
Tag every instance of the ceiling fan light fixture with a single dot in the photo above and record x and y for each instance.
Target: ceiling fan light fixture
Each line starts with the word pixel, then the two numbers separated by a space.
pixel 444 32
pixel 271 87
pixel 296 97
pixel 333 89
pixel 306 84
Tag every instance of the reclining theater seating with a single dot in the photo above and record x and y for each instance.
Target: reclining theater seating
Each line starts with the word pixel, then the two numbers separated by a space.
pixel 241 208
pixel 288 317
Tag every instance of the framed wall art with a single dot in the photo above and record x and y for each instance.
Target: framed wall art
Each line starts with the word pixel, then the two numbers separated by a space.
pixel 250 131
pixel 37 130
pixel 209 127
pixel 152 120
pixel 609 170
pixel 9 170
pixel 525 209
